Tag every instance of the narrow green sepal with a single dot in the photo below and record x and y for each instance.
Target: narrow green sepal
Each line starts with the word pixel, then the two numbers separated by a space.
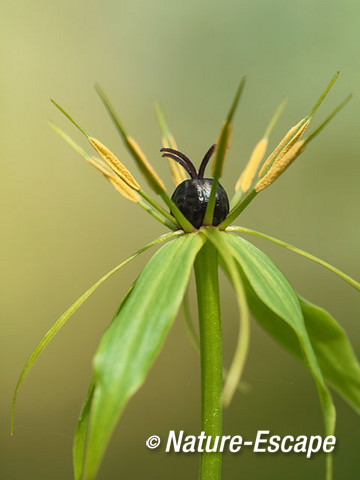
pixel 327 120
pixel 220 153
pixel 324 94
pixel 62 110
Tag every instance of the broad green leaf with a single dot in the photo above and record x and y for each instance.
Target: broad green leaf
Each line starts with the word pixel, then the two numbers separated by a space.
pixel 268 282
pixel 60 322
pixel 297 250
pixel 275 292
pixel 242 346
pixel 334 353
pixel 81 429
pixel 133 340
pixel 333 350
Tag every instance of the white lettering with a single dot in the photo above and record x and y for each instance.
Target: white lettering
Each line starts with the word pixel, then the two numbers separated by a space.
pixel 318 445
pixel 189 444
pixel 260 440
pixel 300 445
pixel 172 439
pixel 283 443
pixel 330 440
pixel 274 441
pixel 235 444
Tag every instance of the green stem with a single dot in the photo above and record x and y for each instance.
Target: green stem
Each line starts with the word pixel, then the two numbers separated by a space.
pixel 207 287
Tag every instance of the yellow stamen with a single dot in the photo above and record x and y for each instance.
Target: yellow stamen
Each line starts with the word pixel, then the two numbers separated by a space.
pixel 115 164
pixel 248 174
pixel 286 143
pixel 125 191
pixel 100 165
pixel 115 181
pixel 280 164
pixel 151 176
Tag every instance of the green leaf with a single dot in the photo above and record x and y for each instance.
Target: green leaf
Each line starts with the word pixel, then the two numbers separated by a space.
pixel 133 340
pixel 60 322
pixel 272 288
pixel 268 282
pixel 333 350
pixel 79 442
pixel 297 250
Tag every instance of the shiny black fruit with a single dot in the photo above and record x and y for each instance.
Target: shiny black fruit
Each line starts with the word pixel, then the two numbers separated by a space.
pixel 192 196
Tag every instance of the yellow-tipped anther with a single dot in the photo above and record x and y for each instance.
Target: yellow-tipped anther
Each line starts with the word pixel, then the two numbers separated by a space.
pixel 280 164
pixel 151 176
pixel 248 174
pixel 115 164
pixel 292 136
pixel 100 165
pixel 125 191
pixel 115 181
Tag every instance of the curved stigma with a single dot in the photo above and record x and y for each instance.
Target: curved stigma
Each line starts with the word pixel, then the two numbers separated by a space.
pixel 180 162
pixel 205 161
pixel 183 160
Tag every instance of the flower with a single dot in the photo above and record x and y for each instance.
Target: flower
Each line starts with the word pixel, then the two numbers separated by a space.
pixel 144 316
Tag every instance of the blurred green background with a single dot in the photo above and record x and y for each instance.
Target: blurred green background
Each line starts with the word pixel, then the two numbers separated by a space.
pixel 63 226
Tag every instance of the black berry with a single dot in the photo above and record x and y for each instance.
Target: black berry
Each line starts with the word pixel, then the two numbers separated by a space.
pixel 192 196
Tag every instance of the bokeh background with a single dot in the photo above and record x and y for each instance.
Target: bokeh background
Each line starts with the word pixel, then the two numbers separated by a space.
pixel 63 226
